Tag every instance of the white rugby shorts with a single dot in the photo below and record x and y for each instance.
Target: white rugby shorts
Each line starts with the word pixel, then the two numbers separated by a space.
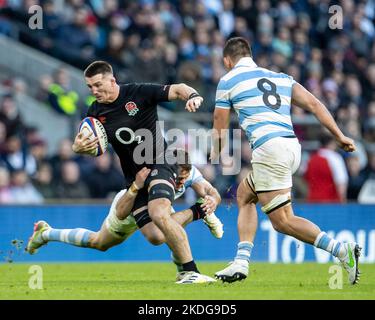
pixel 274 163
pixel 120 228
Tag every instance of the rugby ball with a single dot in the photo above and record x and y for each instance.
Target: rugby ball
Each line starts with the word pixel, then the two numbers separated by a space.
pixel 92 125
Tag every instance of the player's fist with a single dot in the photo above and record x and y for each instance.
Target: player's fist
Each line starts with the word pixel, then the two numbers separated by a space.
pixel 346 144
pixel 85 144
pixel 141 177
pixel 193 104
pixel 213 155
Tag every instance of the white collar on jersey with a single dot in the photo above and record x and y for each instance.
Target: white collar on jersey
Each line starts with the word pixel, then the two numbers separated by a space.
pixel 246 62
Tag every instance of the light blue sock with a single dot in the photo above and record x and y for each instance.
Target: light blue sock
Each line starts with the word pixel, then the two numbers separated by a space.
pixel 78 237
pixel 326 243
pixel 244 249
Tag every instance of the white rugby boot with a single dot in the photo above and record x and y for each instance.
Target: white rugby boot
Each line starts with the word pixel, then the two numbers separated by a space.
pixel 192 277
pixel 350 261
pixel 235 271
pixel 214 224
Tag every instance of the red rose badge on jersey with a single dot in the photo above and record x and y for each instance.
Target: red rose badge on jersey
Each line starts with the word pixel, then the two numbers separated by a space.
pixel 131 108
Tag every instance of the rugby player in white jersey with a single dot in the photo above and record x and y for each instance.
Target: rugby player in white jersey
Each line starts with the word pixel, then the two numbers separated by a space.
pixel 120 224
pixel 262 100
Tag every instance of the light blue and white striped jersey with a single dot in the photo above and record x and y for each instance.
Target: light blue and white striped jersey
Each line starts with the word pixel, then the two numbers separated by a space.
pixel 194 177
pixel 261 99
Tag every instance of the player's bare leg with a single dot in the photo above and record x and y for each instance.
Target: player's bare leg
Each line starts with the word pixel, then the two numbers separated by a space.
pixel 175 235
pixel 160 212
pixel 103 240
pixel 283 220
pixel 176 238
pixel 153 234
pixel 247 223
pixel 156 237
pixel 183 218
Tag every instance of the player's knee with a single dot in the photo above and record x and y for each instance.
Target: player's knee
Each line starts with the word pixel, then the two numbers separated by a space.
pixel 241 199
pixel 96 243
pixel 155 240
pixel 160 219
pixel 244 200
pixel 159 210
pixel 153 234
pixel 245 194
pixel 159 204
pixel 102 247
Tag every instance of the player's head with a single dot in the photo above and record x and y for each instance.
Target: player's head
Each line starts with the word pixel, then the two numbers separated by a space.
pixel 184 166
pixel 100 80
pixel 235 49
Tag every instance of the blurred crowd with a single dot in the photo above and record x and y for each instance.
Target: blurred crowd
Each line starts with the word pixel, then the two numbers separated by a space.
pixel 170 41
pixel 29 175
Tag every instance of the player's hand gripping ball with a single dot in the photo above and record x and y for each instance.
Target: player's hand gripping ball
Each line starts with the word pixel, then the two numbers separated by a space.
pixel 92 128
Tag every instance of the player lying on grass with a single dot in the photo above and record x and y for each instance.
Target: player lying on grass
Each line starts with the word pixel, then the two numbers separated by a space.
pixel 120 224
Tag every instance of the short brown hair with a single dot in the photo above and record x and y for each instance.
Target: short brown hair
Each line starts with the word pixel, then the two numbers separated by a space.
pixel 237 47
pixel 98 67
pixel 183 160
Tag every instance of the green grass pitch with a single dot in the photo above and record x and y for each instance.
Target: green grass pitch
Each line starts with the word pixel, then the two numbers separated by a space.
pixel 138 281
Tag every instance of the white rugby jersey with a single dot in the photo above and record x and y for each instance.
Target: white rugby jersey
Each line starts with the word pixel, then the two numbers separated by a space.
pixel 194 177
pixel 261 99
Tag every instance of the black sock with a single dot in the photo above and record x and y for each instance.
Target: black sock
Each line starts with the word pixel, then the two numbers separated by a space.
pixel 198 212
pixel 190 266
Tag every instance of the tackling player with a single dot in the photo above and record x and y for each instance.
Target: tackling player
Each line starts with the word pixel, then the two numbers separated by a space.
pixel 262 100
pixel 115 229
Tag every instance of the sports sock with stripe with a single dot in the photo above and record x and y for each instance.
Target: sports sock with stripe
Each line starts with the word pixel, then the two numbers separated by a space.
pixel 326 243
pixel 78 237
pixel 244 249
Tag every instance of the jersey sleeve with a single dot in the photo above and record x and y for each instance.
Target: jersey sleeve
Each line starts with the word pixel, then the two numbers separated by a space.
pixel 222 96
pixel 290 79
pixel 155 92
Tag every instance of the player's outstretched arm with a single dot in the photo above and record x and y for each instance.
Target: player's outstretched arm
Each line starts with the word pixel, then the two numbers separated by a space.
pixel 221 123
pixel 183 92
pixel 305 100
pixel 211 196
pixel 85 144
pixel 126 202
